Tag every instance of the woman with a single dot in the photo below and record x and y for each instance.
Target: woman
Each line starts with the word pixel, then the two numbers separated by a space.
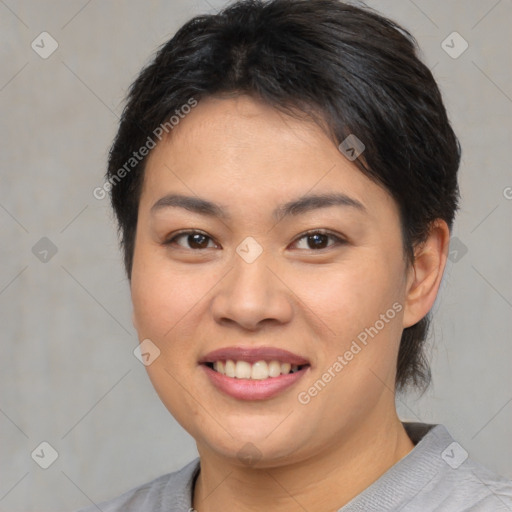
pixel 285 181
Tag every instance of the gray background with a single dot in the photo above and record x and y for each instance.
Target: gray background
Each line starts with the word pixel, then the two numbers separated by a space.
pixel 68 374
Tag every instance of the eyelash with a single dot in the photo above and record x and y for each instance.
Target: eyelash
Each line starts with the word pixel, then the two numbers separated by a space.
pixel 337 239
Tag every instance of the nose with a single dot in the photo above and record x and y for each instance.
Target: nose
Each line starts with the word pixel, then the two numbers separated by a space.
pixel 252 295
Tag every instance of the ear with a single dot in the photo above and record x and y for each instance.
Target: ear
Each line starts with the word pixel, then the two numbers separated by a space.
pixel 426 272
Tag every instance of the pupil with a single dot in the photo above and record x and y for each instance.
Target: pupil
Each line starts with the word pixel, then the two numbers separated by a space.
pixel 196 239
pixel 319 240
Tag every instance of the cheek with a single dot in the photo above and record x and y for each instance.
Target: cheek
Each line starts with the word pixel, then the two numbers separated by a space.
pixel 360 312
pixel 349 297
pixel 164 295
pixel 360 307
pixel 165 300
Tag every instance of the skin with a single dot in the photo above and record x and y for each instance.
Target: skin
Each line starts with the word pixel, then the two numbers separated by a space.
pixel 190 299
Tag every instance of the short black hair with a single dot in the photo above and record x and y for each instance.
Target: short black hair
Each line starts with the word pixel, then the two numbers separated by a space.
pixel 349 68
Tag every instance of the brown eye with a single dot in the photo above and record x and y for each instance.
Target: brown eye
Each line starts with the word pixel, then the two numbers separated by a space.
pixel 194 240
pixel 317 240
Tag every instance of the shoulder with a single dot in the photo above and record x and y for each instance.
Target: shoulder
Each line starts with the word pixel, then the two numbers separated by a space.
pixel 437 475
pixel 170 492
pixel 458 482
pixel 482 489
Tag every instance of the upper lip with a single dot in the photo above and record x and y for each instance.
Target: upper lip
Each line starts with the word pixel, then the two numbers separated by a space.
pixel 252 355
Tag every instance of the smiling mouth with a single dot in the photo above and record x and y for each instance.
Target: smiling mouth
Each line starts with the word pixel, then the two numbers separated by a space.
pixel 259 370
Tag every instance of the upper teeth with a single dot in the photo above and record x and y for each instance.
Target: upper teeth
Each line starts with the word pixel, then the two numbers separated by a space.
pixel 258 371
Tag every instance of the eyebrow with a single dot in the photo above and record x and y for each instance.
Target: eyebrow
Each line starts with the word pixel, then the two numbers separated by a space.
pixel 298 206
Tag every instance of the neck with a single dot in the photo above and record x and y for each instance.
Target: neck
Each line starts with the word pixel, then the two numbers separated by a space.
pixel 324 483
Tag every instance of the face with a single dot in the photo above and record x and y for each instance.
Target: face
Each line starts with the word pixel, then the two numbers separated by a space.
pixel 260 272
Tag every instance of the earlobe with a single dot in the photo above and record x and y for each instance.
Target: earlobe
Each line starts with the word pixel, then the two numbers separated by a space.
pixel 426 273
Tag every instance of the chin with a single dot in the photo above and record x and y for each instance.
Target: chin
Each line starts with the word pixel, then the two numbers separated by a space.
pixel 251 446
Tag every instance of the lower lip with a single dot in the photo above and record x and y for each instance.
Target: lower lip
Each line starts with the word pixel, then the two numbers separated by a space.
pixel 249 389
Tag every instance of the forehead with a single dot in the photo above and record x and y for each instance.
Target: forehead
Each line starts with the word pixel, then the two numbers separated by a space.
pixel 236 132
pixel 239 150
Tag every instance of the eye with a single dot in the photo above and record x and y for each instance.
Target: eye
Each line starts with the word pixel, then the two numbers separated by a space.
pixel 196 240
pixel 319 239
pixel 314 240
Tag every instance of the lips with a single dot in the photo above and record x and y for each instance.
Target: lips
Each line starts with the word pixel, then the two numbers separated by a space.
pixel 253 355
pixel 255 373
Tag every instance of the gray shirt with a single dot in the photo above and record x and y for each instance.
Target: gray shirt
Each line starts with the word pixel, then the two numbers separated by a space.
pixel 437 475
